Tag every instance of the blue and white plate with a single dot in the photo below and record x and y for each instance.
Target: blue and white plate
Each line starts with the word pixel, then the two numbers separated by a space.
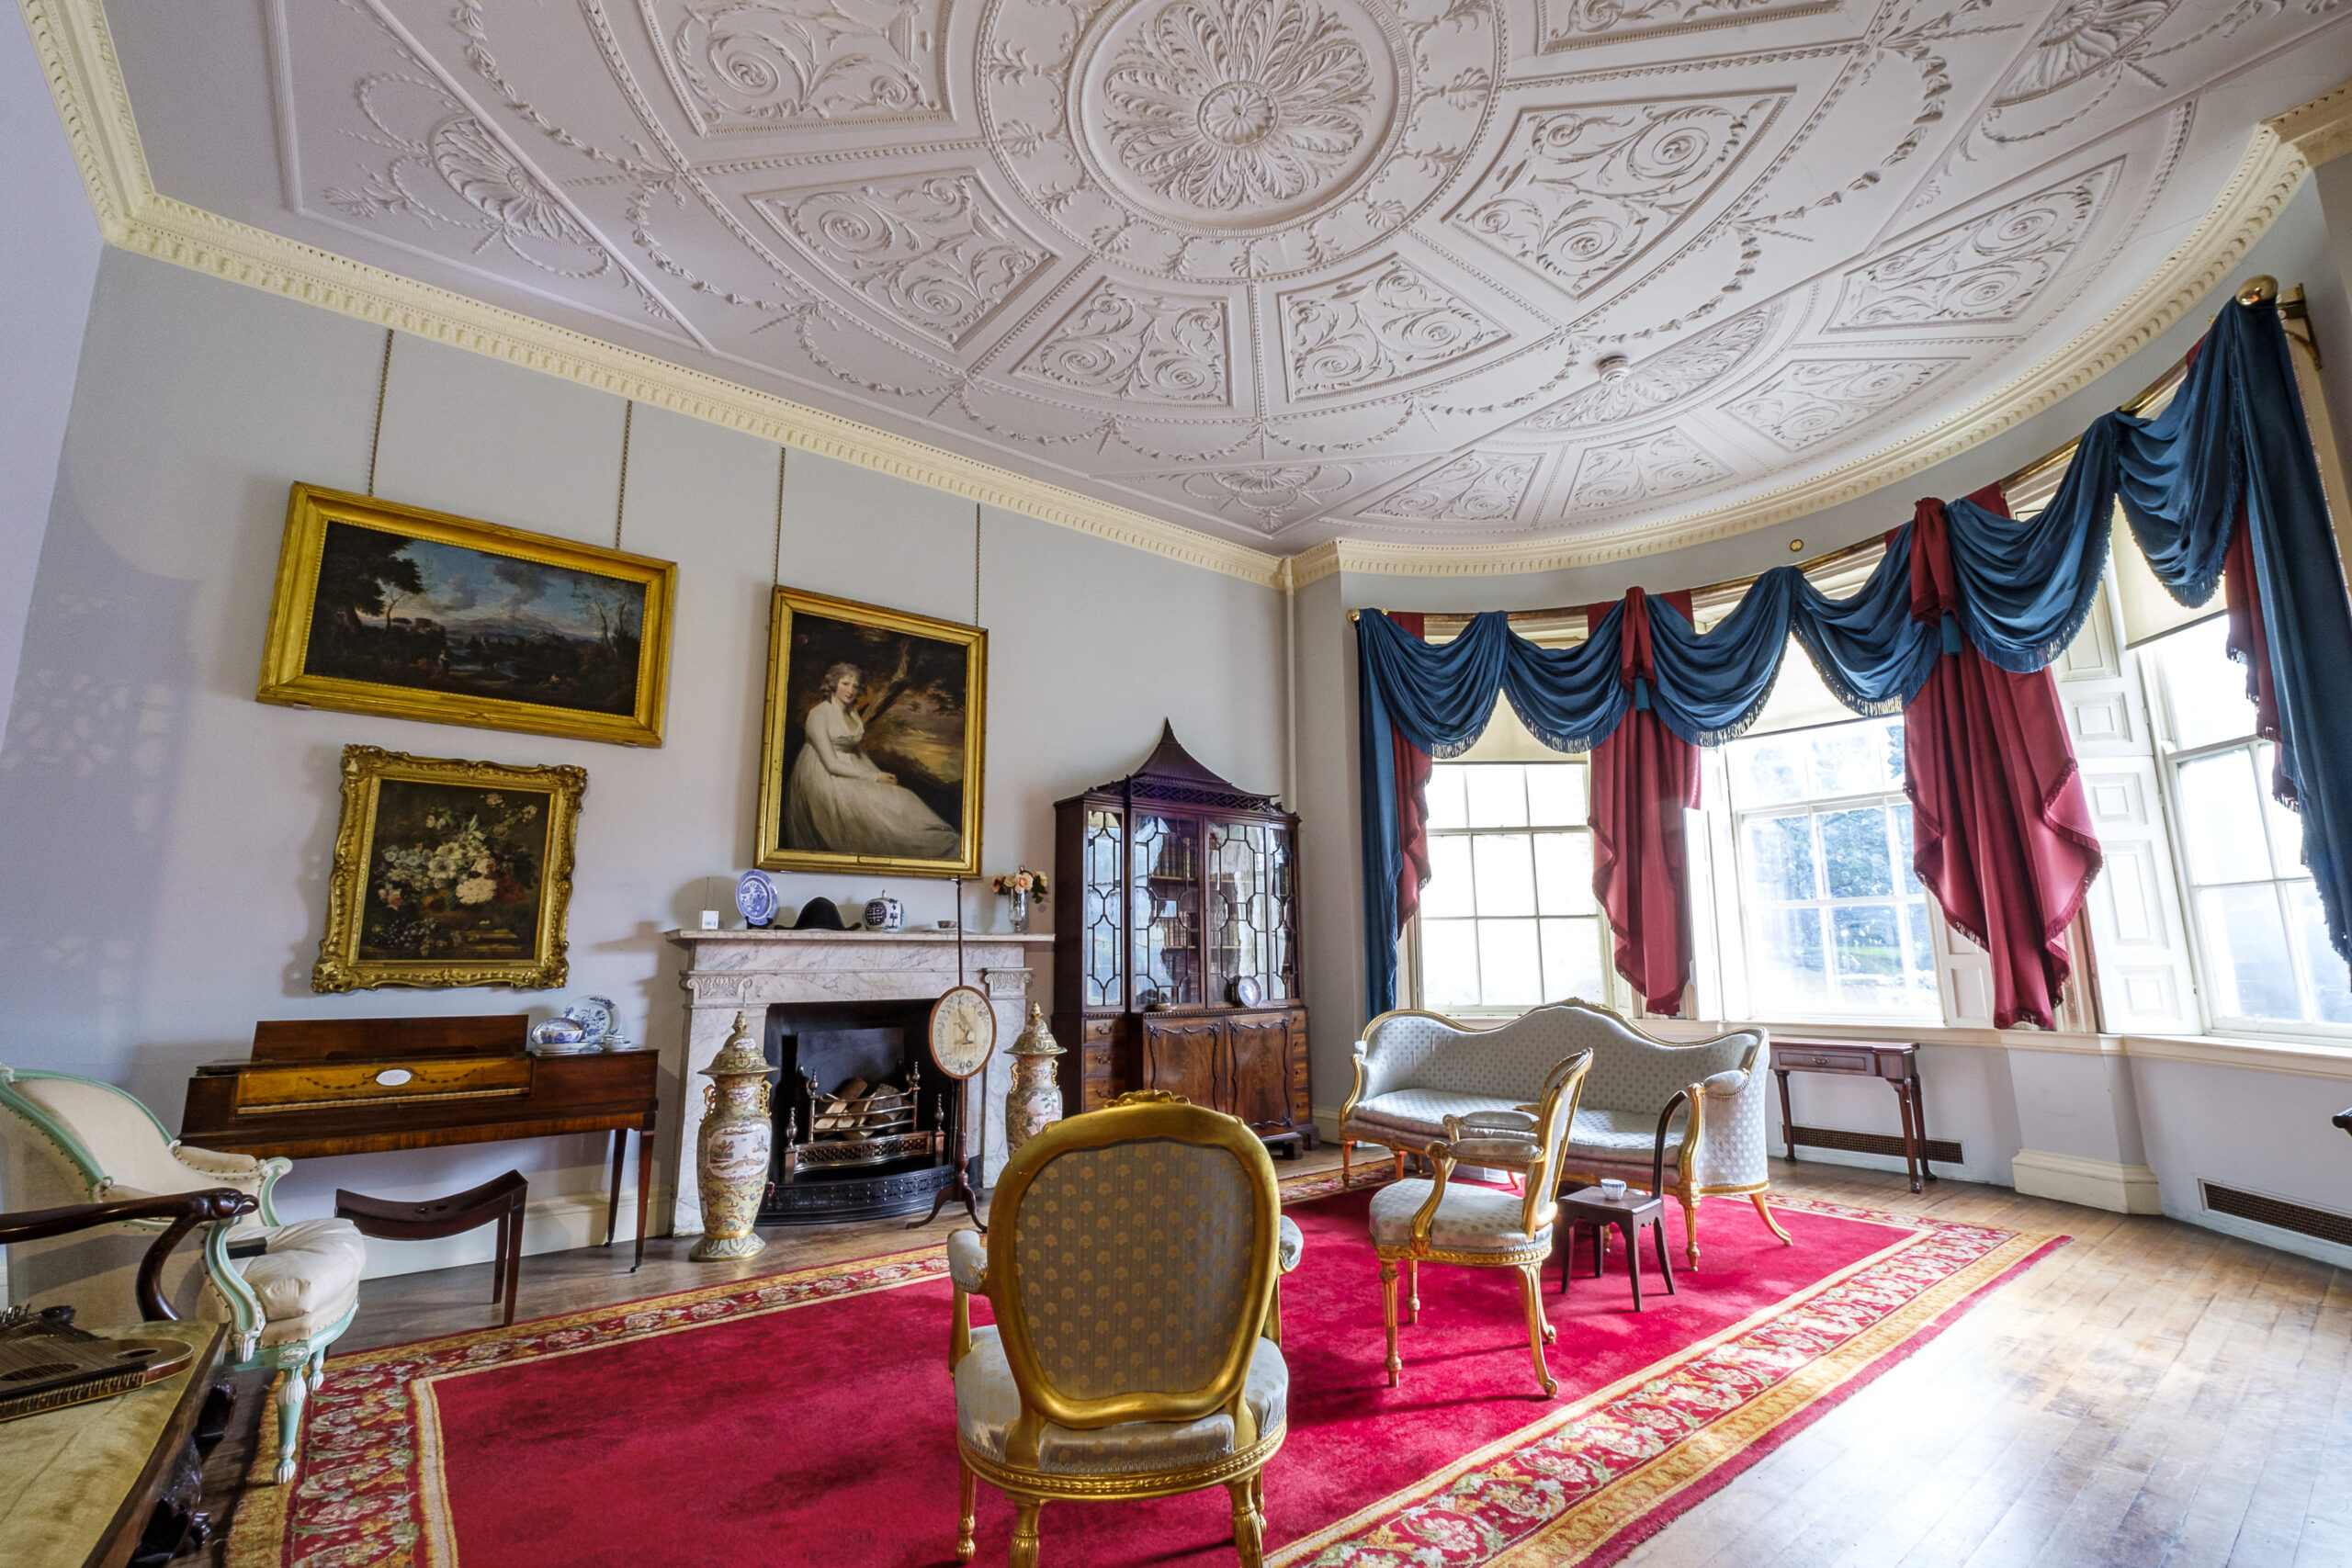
pixel 756 896
pixel 597 1017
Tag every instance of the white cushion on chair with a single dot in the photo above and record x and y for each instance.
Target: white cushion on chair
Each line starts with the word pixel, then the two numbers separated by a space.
pixel 308 1278
pixel 1472 1219
pixel 987 1402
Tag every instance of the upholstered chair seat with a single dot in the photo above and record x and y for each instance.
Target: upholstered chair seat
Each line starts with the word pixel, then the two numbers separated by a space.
pixel 75 1140
pixel 1444 1221
pixel 987 1402
pixel 1472 1219
pixel 1132 1261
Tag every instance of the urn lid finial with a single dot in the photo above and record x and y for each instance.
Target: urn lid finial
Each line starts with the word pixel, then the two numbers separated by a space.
pixel 1036 1040
pixel 739 1057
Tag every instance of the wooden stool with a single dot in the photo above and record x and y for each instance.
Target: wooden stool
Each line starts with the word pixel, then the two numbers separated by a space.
pixel 501 1197
pixel 1585 1207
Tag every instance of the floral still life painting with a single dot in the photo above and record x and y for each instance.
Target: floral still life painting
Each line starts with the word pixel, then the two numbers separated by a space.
pixel 874 746
pixel 449 874
pixel 394 610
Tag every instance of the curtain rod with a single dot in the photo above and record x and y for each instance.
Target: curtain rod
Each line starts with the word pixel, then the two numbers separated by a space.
pixel 2253 291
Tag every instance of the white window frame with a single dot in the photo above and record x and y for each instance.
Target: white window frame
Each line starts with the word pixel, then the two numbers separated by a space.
pixel 2170 759
pixel 1410 944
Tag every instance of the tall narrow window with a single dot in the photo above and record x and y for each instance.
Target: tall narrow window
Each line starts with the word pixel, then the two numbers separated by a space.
pixel 1836 923
pixel 2260 940
pixel 1508 920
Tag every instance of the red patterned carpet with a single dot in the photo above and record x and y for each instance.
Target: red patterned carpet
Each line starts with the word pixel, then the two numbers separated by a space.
pixel 807 1417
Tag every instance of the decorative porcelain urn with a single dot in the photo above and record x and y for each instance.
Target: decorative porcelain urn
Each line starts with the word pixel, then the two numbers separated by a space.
pixel 1034 1101
pixel 732 1149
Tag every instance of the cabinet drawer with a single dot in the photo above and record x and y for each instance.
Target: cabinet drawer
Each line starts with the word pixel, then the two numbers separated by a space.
pixel 1825 1059
pixel 1101 1029
pixel 1096 1061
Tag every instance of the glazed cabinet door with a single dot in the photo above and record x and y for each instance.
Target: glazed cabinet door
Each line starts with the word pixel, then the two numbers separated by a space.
pixel 1186 1056
pixel 1261 1069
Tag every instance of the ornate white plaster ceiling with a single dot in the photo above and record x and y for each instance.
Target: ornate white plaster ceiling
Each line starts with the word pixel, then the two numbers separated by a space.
pixel 1448 271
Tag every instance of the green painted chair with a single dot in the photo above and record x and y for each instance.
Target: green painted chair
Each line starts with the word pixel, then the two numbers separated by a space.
pixel 287 1291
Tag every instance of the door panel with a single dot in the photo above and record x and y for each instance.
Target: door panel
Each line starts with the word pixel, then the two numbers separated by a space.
pixel 1183 1057
pixel 1260 1071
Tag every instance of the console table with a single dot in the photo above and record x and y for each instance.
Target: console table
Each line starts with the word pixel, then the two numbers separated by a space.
pixel 1897 1062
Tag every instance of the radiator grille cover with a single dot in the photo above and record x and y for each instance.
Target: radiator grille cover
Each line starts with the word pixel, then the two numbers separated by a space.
pixel 2324 1223
pixel 1941 1150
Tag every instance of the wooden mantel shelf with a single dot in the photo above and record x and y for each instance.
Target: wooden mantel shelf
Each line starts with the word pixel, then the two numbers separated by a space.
pixel 971 939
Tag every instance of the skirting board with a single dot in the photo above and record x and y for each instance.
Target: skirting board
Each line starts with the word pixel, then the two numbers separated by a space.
pixel 556 1224
pixel 2093 1184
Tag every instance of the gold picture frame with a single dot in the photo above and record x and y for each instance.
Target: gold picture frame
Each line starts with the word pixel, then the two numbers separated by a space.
pixel 907 748
pixel 524 632
pixel 449 872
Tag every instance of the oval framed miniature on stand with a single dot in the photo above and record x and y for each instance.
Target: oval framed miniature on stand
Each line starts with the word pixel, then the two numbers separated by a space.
pixel 963 1031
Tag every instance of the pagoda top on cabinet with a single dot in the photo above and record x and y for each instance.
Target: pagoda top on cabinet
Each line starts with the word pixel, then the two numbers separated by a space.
pixel 1171 774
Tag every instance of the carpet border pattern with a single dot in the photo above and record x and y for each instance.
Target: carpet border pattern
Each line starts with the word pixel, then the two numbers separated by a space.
pixel 1579 1487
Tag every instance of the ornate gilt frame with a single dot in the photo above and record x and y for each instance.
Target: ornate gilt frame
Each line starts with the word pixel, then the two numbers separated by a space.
pixel 364 768
pixel 777 723
pixel 284 681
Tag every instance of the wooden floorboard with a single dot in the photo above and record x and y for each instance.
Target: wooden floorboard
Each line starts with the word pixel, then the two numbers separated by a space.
pixel 2151 1395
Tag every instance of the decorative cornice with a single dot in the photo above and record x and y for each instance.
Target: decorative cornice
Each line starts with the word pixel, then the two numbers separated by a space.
pixel 2321 129
pixel 77 55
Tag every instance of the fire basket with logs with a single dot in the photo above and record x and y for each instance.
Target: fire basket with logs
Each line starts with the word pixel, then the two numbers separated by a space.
pixel 859 1123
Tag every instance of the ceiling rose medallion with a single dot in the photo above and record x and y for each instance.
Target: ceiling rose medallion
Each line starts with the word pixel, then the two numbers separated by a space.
pixel 1223 139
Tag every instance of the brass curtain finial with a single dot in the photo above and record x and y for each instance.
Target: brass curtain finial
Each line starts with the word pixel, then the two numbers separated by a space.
pixel 2260 289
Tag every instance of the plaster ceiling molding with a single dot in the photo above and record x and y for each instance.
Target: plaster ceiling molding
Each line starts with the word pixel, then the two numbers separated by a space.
pixel 1273 497
pixel 739 65
pixel 1577 193
pixel 1809 401
pixel 934 252
pixel 1126 343
pixel 1648 467
pixel 1688 370
pixel 1221 139
pixel 1570 24
pixel 1478 487
pixel 1374 327
pixel 1988 269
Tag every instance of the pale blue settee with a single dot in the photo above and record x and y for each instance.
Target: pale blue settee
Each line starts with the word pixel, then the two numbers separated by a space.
pixel 1684 1119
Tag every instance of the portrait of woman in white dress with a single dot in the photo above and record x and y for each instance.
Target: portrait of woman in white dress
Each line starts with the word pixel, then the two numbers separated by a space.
pixel 838 800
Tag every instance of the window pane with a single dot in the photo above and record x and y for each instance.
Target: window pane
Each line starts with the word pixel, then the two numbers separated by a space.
pixel 1789 972
pixel 1505 874
pixel 1868 947
pixel 1922 946
pixel 1564 873
pixel 2329 987
pixel 1894 752
pixel 2247 951
pixel 1780 857
pixel 1509 973
pixel 1905 849
pixel 1847 759
pixel 2221 819
pixel 1446 796
pixel 1555 794
pixel 1766 771
pixel 2286 823
pixel 1572 960
pixel 1449 964
pixel 2203 689
pixel 1450 889
pixel 1497 794
pixel 1853 854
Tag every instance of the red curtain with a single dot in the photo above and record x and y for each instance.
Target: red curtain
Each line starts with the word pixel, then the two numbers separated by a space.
pixel 1643 776
pixel 2249 643
pixel 2001 834
pixel 1413 766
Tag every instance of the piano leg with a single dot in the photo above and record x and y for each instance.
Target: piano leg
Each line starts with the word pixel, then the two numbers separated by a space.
pixel 613 1213
pixel 644 1188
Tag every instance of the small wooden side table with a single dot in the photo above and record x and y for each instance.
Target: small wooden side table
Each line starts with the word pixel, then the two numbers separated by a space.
pixel 1585 1207
pixel 1897 1062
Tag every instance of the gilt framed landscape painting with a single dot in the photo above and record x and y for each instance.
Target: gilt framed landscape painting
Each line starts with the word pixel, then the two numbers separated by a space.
pixel 875 740
pixel 449 872
pixel 393 610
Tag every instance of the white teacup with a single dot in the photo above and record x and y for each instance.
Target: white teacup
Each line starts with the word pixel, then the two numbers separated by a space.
pixel 1612 1190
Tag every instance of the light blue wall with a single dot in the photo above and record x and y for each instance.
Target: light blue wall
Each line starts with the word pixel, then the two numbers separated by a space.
pixel 164 840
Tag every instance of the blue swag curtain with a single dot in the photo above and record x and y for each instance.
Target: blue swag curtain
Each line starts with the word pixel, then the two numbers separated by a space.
pixel 2232 444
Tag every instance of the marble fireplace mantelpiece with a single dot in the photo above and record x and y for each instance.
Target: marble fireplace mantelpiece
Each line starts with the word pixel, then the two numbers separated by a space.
pixel 730 971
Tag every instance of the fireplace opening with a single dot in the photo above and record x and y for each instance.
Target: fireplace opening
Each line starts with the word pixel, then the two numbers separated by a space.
pixel 861 1112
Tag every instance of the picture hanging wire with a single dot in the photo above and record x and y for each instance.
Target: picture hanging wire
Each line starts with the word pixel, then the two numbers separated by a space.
pixel 620 506
pixel 776 572
pixel 383 380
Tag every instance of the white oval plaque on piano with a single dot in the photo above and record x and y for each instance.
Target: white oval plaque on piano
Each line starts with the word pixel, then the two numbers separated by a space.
pixel 392 1077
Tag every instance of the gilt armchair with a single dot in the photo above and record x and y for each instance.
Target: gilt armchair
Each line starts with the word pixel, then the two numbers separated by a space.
pixel 1441 1221
pixel 287 1291
pixel 1131 1261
